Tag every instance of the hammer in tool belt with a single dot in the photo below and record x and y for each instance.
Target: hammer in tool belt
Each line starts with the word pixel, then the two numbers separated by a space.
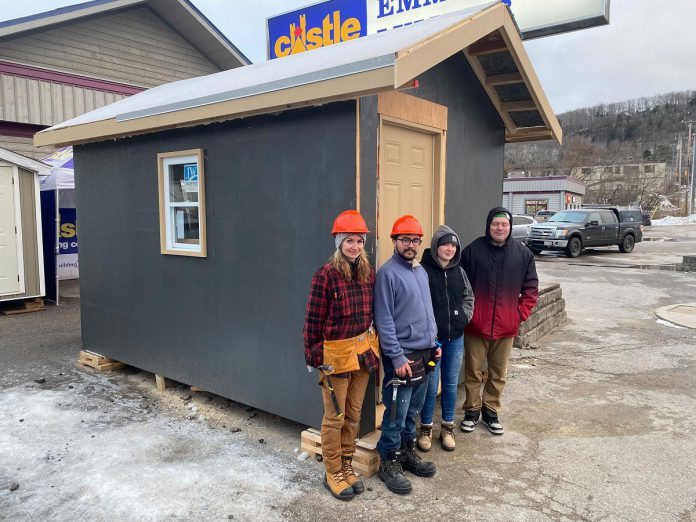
pixel 394 383
pixel 327 369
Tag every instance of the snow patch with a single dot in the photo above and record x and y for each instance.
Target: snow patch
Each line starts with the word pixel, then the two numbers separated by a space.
pixel 672 220
pixel 667 323
pixel 86 458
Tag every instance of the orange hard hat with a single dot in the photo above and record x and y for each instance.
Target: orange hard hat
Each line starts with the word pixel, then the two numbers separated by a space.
pixel 407 225
pixel 349 221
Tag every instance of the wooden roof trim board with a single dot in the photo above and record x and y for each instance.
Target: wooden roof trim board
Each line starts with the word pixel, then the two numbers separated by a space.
pixel 23 161
pixel 510 127
pixel 538 101
pixel 421 56
pixel 530 134
pixel 524 66
pixel 351 80
pixel 503 79
pixel 335 89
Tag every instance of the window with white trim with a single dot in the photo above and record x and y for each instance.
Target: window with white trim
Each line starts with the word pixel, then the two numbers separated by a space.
pixel 182 203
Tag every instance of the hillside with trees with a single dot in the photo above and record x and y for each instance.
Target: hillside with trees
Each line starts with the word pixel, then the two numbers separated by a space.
pixel 643 129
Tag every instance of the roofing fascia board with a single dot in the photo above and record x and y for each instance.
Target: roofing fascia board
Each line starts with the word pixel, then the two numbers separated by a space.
pixel 22 161
pixel 278 85
pixel 336 89
pixel 64 14
pixel 513 40
pixel 432 50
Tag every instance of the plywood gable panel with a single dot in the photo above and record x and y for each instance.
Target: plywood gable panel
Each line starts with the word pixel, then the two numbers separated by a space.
pixel 134 47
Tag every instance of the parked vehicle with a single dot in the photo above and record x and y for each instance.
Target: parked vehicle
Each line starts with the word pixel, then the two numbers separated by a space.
pixel 647 219
pixel 544 215
pixel 576 229
pixel 522 227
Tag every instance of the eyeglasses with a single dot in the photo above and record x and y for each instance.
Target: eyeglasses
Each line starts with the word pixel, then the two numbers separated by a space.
pixel 407 241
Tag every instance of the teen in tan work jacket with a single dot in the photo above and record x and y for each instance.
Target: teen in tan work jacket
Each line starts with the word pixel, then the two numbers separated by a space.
pixel 340 342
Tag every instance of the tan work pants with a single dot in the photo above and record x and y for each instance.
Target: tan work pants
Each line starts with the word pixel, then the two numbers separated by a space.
pixel 338 433
pixel 478 351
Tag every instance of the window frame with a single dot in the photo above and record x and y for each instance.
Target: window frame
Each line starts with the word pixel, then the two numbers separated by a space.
pixel 168 245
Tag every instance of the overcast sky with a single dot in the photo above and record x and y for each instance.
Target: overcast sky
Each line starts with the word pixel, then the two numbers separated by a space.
pixel 649 47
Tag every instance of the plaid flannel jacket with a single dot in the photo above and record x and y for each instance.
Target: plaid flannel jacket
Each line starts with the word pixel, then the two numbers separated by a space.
pixel 337 309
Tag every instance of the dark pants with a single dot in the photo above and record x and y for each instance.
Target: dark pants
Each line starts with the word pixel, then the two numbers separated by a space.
pixel 409 402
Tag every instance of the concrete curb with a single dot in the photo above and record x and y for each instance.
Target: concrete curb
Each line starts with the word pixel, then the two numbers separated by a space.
pixel 679 314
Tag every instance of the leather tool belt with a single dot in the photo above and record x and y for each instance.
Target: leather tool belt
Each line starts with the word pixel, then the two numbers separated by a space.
pixel 342 354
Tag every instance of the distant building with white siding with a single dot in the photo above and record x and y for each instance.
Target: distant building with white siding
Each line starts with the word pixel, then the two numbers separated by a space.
pixel 528 196
pixel 57 65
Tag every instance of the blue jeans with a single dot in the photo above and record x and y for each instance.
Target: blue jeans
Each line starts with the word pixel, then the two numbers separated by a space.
pixel 449 367
pixel 409 401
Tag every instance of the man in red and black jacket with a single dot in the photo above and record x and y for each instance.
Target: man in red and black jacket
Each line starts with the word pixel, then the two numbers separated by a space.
pixel 506 288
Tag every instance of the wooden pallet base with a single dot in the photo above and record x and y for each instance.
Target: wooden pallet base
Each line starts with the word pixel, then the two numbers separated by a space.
pixel 22 307
pixel 365 459
pixel 98 362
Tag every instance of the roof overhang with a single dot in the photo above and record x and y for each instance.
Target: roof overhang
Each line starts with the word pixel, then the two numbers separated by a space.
pixel 283 84
pixel 26 163
pixel 182 15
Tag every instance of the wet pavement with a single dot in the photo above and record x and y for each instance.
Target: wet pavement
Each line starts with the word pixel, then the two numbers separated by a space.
pixel 599 423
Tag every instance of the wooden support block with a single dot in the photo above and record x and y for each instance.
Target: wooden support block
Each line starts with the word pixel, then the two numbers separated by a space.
pixel 22 307
pixel 98 362
pixel 369 441
pixel 365 459
pixel 195 389
pixel 160 382
pixel 379 414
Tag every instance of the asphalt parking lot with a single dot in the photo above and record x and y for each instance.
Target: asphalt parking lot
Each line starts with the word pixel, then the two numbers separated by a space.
pixel 599 422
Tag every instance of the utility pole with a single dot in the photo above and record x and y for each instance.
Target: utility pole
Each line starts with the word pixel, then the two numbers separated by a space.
pixel 679 161
pixel 689 149
pixel 693 162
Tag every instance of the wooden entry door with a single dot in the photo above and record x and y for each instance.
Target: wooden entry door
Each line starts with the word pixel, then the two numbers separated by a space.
pixel 405 182
pixel 9 254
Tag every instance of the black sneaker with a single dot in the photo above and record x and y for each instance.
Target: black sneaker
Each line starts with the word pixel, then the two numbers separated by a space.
pixel 411 461
pixel 490 420
pixel 471 419
pixel 391 473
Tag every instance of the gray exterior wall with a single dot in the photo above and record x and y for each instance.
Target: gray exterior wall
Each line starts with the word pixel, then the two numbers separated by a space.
pixel 230 323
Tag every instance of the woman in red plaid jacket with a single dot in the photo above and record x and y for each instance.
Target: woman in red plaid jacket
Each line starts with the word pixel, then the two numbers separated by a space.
pixel 338 326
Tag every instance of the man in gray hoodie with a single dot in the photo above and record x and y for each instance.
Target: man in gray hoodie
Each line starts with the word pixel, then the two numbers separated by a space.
pixel 403 314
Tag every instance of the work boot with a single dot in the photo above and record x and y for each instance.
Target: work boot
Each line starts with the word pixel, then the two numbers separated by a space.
pixel 447 436
pixel 411 461
pixel 337 485
pixel 391 473
pixel 471 419
pixel 351 476
pixel 425 439
pixel 490 420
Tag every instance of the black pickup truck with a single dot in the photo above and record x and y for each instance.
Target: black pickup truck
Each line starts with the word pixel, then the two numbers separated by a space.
pixel 573 230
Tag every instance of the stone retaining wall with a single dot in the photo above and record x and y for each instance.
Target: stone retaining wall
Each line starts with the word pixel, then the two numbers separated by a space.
pixel 688 264
pixel 548 314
